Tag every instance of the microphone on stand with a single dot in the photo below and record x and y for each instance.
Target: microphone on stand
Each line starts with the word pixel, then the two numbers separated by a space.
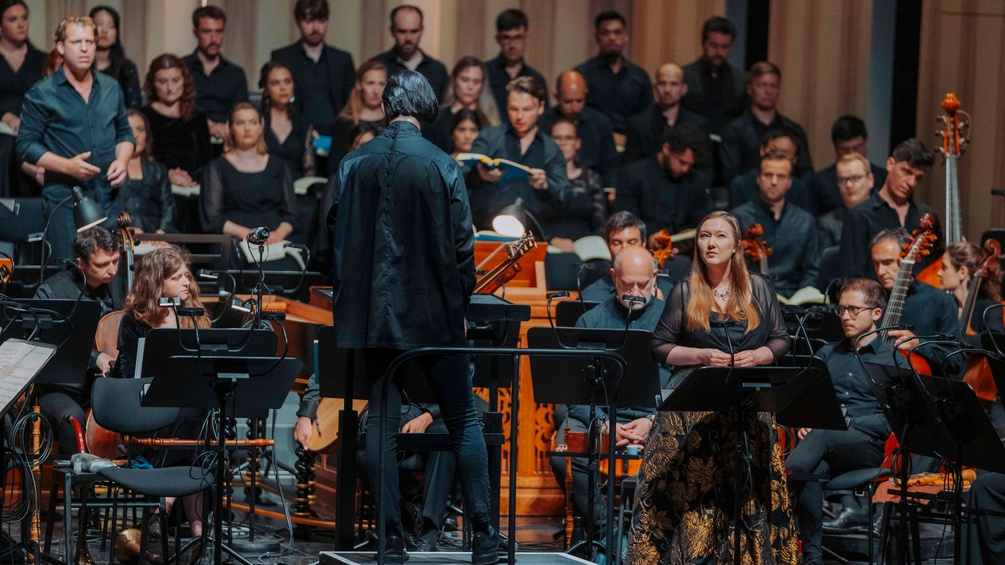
pixel 258 236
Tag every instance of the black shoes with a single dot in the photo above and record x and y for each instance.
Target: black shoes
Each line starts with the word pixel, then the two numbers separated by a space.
pixel 485 547
pixel 849 521
pixel 427 541
pixel 394 550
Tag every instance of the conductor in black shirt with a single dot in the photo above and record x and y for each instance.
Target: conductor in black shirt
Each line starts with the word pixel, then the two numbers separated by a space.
pixel 402 237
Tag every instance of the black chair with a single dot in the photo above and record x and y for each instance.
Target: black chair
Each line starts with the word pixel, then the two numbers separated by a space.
pixel 830 267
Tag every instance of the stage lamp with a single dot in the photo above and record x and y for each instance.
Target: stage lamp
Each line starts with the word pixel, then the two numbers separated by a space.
pixel 512 220
pixel 86 212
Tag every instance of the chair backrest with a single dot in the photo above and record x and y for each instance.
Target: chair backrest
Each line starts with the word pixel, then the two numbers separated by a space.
pixel 116 405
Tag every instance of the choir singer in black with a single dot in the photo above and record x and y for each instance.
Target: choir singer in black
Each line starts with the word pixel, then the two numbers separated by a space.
pixel 403 271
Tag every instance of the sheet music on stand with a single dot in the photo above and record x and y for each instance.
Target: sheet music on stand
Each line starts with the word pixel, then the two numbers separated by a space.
pixel 20 362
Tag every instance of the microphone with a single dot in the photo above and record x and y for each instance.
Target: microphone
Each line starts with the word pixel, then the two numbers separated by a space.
pixel 169 302
pixel 724 324
pixel 258 236
pixel 207 274
pixel 633 299
pixel 793 310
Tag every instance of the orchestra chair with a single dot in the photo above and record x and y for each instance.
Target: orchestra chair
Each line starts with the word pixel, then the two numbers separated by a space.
pixel 116 405
pixel 830 267
pixel 862 482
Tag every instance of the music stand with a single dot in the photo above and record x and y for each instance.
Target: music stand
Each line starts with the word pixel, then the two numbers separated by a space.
pixel 739 390
pixel 940 418
pixel 69 366
pixel 593 381
pixel 208 381
pixel 567 312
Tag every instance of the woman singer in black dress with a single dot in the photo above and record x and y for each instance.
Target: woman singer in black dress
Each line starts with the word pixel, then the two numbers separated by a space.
pixel 684 505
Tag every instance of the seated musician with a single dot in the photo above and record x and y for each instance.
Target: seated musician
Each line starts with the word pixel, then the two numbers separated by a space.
pixel 438 466
pixel 621 230
pixel 163 273
pixel 97 279
pixel 928 310
pixel 832 452
pixel 789 231
pixel 985 543
pixel 633 274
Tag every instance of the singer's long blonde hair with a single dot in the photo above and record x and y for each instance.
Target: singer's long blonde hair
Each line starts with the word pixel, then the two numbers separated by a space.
pixel 740 304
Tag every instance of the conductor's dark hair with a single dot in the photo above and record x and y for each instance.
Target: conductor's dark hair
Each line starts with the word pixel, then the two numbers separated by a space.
pixel 913 151
pixel 607 16
pixel 92 239
pixel 311 10
pixel 511 19
pixel 687 135
pixel 408 93
pixel 847 128
pixel 623 220
pixel 717 24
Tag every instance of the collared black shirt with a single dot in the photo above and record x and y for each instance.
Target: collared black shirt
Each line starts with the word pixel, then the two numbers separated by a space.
pixel 717 94
pixel 217 93
pixel 321 88
pixel 853 387
pixel 56 118
pixel 932 311
pixel 499 78
pixel 433 70
pixel 597 134
pixel 502 142
pixel 646 130
pixel 825 194
pixel 620 95
pixel 868 219
pixel 793 263
pixel 741 144
pixel 612 314
pixel 744 189
pixel 647 190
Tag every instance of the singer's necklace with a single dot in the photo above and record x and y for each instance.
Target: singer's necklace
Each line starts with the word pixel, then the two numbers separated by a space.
pixel 720 295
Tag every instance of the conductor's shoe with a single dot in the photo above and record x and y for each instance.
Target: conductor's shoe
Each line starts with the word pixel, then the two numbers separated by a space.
pixel 394 550
pixel 847 522
pixel 485 547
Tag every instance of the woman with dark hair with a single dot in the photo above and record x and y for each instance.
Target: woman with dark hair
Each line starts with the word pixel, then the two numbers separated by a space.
pixel 110 58
pixel 163 273
pixel 468 89
pixel 464 128
pixel 363 106
pixel 247 188
pixel 684 505
pixel 20 67
pixel 287 134
pixel 586 210
pixel 181 134
pixel 146 194
pixel 959 263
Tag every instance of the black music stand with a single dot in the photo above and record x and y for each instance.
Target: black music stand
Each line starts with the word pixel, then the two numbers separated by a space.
pixel 567 312
pixel 69 365
pixel 243 384
pixel 593 381
pixel 940 418
pixel 739 390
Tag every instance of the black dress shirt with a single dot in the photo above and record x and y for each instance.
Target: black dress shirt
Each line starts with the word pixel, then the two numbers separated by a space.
pixel 825 194
pixel 854 390
pixel 499 78
pixel 620 95
pixel 645 131
pixel 179 142
pixel 489 198
pixel 13 85
pixel 932 311
pixel 217 93
pixel 717 94
pixel 612 314
pixel 597 134
pixel 741 144
pixel 433 70
pixel 55 118
pixel 647 190
pixel 793 263
pixel 321 89
pixel 868 219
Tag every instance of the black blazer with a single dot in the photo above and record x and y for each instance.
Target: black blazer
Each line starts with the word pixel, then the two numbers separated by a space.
pixel 340 69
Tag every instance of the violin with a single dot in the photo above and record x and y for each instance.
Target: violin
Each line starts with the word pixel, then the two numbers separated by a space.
pixel 978 372
pixel 755 248
pixel 506 270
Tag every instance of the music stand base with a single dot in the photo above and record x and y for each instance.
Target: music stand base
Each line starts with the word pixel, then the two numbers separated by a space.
pixel 441 558
pixel 256 547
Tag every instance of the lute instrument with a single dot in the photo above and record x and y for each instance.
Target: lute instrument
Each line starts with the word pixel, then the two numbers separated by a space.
pixel 508 268
pixel 913 250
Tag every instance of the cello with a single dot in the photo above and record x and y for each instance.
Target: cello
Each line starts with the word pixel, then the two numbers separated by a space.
pixel 954 134
pixel 755 248
pixel 978 372
pixel 913 250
